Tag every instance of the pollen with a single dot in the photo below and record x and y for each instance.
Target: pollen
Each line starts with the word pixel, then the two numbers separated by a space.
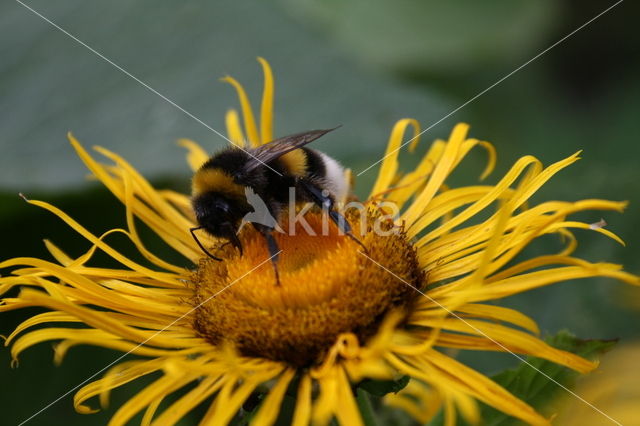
pixel 326 288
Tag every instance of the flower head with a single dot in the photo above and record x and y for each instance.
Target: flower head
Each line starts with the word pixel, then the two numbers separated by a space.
pixel 222 331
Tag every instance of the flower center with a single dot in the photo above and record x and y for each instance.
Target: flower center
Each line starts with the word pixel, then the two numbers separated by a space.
pixel 326 288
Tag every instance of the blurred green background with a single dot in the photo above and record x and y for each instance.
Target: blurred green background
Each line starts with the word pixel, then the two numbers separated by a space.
pixel 359 63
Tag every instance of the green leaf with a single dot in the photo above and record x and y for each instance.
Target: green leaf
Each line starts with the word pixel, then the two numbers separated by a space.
pixel 537 386
pixel 363 399
pixel 50 85
pixel 433 36
pixel 382 387
pixel 369 394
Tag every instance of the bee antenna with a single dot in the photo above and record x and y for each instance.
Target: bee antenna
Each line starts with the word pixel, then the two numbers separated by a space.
pixel 354 238
pixel 195 237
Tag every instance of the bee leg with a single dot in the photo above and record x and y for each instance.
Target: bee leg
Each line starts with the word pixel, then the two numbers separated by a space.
pixel 235 241
pixel 274 251
pixel 193 234
pixel 342 224
pixel 325 202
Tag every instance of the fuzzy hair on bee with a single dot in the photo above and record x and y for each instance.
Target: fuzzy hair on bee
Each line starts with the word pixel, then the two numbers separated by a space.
pixel 221 185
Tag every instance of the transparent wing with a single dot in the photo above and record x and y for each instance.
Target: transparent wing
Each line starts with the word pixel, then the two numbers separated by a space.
pixel 278 147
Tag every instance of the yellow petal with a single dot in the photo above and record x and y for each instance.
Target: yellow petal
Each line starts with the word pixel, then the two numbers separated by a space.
pixel 347 411
pixel 495 193
pixel 159 389
pixel 389 165
pixel 513 341
pixel 167 222
pixel 454 255
pixel 442 371
pixel 233 395
pixel 150 412
pixel 176 411
pixel 106 341
pixel 234 130
pixel 116 376
pixel 247 113
pixel 101 321
pixel 497 313
pixel 325 405
pixel 196 156
pixel 270 407
pixel 40 319
pixel 266 107
pixel 441 172
pixel 412 182
pixel 524 282
pixel 181 201
pixel 133 233
pixel 419 400
pixel 172 218
pixel 302 412
pixel 96 241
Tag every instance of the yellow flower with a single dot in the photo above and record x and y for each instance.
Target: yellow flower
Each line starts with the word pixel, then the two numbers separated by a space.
pixel 614 390
pixel 225 331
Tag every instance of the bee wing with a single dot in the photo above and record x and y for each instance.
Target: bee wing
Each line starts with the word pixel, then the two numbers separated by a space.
pixel 278 147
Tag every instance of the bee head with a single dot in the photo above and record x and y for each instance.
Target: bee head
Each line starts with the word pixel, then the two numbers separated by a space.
pixel 218 214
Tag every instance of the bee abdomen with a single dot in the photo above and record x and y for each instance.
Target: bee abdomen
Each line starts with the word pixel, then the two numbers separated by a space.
pixel 326 173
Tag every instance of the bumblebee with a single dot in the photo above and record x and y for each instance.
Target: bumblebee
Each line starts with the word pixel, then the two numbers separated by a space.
pixel 226 187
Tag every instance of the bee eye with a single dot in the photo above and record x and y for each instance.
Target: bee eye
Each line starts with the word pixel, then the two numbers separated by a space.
pixel 221 205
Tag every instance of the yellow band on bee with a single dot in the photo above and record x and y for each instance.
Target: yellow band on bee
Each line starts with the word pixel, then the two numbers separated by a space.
pixel 295 162
pixel 210 179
